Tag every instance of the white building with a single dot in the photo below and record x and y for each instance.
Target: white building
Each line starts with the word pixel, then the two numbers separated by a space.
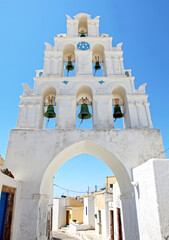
pixel 34 153
pixel 88 215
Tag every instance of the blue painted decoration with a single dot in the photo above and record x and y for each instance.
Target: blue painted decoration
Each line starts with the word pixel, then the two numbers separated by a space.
pixel 65 82
pixel 40 74
pixel 83 46
pixel 101 82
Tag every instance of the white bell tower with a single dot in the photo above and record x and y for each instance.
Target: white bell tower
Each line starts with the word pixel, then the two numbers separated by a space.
pixel 81 68
pixel 114 84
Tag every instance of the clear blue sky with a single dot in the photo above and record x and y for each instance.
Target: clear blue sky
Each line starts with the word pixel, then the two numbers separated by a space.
pixel 142 26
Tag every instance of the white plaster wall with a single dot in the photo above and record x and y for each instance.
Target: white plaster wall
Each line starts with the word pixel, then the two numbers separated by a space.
pixel 137 114
pixel 47 150
pixel 59 213
pixel 152 197
pixel 33 146
pixel 146 202
pixel 89 218
pixel 161 172
pixel 85 216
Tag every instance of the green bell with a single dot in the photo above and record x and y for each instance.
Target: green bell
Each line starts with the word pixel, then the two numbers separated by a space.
pixel 117 112
pixel 82 34
pixel 97 66
pixel 50 113
pixel 69 66
pixel 84 112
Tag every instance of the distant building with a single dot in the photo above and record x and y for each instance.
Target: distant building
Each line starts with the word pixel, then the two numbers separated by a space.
pixel 110 181
pixel 1 162
pixel 65 211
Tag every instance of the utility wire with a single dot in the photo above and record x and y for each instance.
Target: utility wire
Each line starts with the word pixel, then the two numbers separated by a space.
pixel 71 167
pixel 68 189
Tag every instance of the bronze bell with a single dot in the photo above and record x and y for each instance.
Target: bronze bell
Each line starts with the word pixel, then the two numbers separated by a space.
pixel 97 66
pixel 117 112
pixel 84 112
pixel 82 34
pixel 69 66
pixel 50 113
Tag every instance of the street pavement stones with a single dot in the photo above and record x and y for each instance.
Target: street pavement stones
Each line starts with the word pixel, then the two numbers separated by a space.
pixel 63 236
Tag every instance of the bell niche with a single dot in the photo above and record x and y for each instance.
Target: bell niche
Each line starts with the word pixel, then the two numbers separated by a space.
pixel 69 60
pixel 84 107
pixel 119 106
pixel 97 60
pixel 49 109
pixel 82 26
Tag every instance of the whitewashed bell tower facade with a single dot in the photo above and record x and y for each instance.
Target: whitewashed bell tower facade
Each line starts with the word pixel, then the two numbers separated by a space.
pixel 116 82
pixel 34 154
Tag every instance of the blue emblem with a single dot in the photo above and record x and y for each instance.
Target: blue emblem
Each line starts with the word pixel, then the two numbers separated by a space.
pixel 83 46
pixel 40 74
pixel 101 82
pixel 65 82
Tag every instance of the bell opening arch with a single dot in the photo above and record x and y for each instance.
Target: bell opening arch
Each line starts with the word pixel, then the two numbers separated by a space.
pixel 119 107
pixel 98 60
pixel 84 102
pixel 68 60
pixel 49 107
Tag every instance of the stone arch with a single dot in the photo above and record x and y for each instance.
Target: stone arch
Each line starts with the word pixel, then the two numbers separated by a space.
pixel 68 49
pixel 119 92
pixel 93 149
pixel 84 91
pixel 84 95
pixel 119 97
pixel 68 54
pixel 98 55
pixel 80 85
pixel 48 98
pixel 83 23
pixel 97 50
pixel 129 216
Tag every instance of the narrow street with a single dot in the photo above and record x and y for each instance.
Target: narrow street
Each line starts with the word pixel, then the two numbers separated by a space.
pixel 61 235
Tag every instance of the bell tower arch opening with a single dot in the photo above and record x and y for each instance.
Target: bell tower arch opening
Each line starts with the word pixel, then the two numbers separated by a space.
pixel 68 60
pixel 98 60
pixel 82 26
pixel 49 107
pixel 84 99
pixel 119 106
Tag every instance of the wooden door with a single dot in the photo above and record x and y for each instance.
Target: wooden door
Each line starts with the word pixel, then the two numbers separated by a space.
pixel 112 225
pixel 67 217
pixel 120 235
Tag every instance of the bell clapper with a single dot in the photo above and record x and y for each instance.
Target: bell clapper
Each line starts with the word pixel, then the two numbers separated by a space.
pixel 47 123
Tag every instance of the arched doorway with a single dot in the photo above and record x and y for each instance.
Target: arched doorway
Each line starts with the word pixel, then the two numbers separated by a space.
pixel 129 217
